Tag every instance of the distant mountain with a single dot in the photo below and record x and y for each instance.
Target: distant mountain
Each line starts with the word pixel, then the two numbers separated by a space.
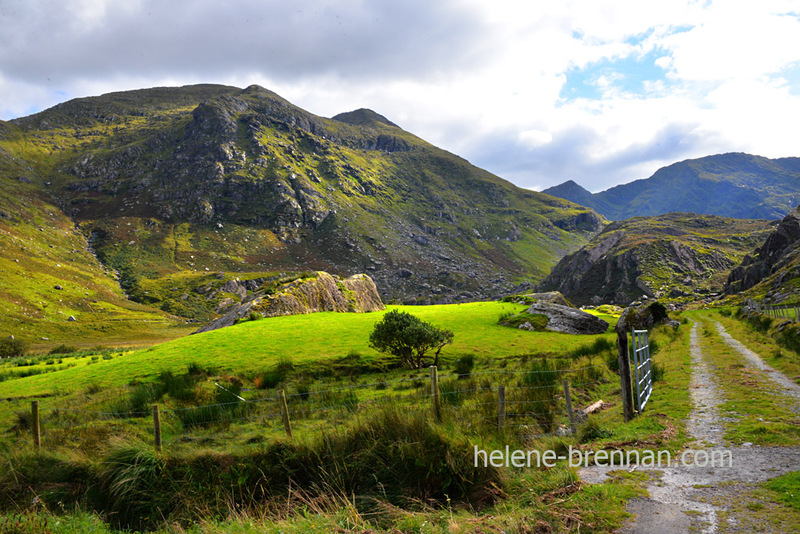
pixel 774 268
pixel 676 255
pixel 179 192
pixel 729 185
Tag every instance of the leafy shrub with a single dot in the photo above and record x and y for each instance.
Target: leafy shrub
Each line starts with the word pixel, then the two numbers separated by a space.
pixel 409 338
pixel 12 348
pixel 63 349
pixel 464 365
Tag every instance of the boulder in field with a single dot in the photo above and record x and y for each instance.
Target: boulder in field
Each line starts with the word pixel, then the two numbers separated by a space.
pixel 569 320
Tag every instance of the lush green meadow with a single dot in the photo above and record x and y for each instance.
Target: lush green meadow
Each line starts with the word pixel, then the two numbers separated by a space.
pixel 304 339
pixel 385 424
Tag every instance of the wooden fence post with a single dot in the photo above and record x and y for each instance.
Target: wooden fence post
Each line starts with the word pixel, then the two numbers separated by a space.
pixel 501 407
pixel 437 405
pixel 36 429
pixel 568 401
pixel 157 428
pixel 624 372
pixel 287 425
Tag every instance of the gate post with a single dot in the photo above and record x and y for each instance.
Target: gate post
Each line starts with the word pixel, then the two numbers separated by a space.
pixel 624 371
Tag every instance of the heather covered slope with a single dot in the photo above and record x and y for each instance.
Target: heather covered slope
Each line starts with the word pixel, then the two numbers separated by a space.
pixel 52 287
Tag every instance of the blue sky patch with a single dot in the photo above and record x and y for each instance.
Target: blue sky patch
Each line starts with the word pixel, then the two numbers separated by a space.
pixel 635 75
pixel 792 76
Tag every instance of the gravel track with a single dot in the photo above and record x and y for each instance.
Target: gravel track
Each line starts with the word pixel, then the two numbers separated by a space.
pixel 788 385
pixel 680 497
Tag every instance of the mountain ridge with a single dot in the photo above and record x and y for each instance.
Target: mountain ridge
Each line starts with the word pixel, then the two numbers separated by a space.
pixel 734 185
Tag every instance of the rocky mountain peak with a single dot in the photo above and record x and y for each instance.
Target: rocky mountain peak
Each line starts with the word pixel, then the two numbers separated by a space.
pixel 363 117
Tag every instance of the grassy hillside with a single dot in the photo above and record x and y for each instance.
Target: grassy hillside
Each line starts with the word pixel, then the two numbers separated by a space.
pixel 47 275
pixel 771 273
pixel 673 256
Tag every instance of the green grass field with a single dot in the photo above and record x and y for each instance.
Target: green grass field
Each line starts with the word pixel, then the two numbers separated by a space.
pixel 227 456
pixel 303 339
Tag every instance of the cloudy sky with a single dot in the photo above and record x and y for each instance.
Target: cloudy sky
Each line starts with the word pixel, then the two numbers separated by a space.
pixel 538 92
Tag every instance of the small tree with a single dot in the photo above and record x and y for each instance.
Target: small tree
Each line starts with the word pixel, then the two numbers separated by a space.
pixel 12 348
pixel 409 338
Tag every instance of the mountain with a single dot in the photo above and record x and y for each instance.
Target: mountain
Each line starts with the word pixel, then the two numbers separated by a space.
pixel 572 191
pixel 675 256
pixel 729 185
pixel 175 192
pixel 773 269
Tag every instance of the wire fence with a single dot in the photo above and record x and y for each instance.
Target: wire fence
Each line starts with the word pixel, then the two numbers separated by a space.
pixel 790 312
pixel 532 404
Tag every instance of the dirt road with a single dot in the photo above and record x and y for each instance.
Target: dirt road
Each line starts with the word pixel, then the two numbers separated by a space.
pixel 690 498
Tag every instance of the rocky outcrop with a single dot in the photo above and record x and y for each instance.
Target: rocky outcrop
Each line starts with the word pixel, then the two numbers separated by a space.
pixel 569 320
pixel 671 255
pixel 314 293
pixel 642 317
pixel 780 249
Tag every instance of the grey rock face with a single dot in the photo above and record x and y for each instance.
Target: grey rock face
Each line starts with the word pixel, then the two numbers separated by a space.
pixel 322 292
pixel 768 259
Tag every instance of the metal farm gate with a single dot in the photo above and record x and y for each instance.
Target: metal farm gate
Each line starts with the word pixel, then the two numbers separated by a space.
pixel 640 345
